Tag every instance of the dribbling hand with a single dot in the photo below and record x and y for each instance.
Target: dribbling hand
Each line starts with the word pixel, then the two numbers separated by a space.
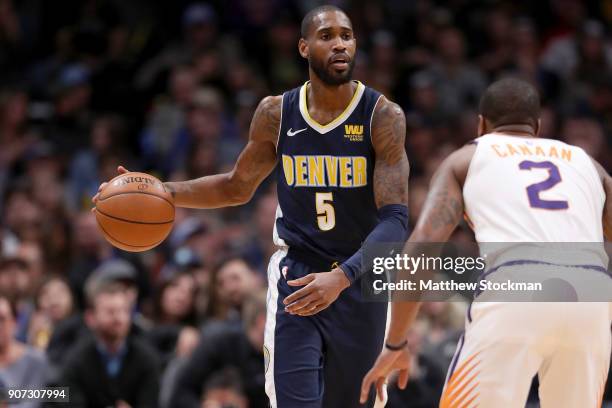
pixel 94 199
pixel 387 362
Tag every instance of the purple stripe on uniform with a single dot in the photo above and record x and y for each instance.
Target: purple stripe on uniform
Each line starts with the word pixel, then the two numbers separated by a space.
pixel 597 268
pixel 455 358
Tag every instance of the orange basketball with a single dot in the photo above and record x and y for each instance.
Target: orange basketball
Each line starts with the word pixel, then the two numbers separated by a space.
pixel 135 212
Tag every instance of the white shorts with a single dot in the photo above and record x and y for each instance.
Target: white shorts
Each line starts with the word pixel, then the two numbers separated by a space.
pixel 505 344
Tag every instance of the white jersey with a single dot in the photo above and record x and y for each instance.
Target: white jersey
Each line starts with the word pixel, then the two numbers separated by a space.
pixel 533 190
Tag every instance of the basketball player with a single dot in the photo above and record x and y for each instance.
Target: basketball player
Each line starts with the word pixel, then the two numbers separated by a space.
pixel 515 187
pixel 337 149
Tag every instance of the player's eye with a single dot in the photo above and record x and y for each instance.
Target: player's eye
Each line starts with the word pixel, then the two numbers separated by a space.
pixel 325 37
pixel 346 36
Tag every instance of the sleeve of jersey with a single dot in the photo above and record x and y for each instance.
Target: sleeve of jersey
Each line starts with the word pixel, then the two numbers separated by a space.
pixel 392 228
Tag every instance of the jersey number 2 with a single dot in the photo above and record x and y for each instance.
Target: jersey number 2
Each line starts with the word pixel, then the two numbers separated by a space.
pixel 534 190
pixel 326 216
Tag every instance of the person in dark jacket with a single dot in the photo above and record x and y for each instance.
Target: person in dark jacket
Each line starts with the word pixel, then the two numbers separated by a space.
pixel 233 346
pixel 111 368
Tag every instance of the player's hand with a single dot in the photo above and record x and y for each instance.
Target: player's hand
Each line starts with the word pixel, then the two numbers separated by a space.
pixel 387 362
pixel 320 291
pixel 120 170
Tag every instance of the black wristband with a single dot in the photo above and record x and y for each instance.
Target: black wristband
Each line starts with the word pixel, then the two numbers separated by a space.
pixel 396 347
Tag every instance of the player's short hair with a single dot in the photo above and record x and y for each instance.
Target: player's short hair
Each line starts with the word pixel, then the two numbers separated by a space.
pixel 308 19
pixel 511 101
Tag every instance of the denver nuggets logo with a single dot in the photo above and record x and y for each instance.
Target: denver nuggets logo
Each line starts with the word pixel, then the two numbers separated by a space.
pixel 354 133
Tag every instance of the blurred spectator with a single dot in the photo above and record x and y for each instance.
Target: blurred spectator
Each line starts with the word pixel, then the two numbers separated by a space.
pixel 174 311
pixel 71 330
pixel 53 302
pixel 239 347
pixel 256 250
pixel 16 281
pixel 224 390
pixel 199 24
pixel 14 135
pixel 457 82
pixel 579 55
pixel 167 118
pixel 69 124
pixel 111 368
pixel 231 282
pixel 20 366
pixel 106 136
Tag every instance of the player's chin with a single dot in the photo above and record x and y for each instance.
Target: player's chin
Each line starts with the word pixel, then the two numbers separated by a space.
pixel 339 76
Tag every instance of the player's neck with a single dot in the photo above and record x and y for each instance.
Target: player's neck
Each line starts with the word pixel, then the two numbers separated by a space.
pixel 515 130
pixel 329 97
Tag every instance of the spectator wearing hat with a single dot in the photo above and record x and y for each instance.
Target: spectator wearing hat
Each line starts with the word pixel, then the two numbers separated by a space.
pixel 111 367
pixel 21 366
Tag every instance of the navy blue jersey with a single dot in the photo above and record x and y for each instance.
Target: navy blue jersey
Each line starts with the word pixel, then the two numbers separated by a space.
pixel 325 191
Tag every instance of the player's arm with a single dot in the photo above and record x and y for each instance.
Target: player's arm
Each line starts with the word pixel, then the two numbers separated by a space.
pixel 391 172
pixel 607 213
pixel 254 164
pixel 442 212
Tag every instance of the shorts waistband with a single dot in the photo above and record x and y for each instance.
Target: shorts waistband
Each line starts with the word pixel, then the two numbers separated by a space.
pixel 313 261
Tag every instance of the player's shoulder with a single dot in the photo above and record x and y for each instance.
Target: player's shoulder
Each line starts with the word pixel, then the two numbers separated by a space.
pixel 267 118
pixel 271 103
pixel 387 113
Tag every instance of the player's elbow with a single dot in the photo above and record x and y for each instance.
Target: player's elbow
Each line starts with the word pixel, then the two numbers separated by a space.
pixel 239 192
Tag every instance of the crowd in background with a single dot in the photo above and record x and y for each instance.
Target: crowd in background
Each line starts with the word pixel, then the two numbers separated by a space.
pixel 169 88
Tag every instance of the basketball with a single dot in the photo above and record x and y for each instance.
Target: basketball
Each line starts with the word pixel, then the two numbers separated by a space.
pixel 135 212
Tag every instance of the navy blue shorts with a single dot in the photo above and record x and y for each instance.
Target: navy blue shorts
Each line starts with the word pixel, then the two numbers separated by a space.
pixel 319 361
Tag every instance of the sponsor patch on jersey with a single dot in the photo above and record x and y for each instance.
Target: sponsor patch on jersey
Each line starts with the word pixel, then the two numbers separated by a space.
pixel 353 133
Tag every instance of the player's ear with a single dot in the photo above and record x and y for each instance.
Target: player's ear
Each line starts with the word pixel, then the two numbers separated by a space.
pixel 482 126
pixel 538 127
pixel 303 48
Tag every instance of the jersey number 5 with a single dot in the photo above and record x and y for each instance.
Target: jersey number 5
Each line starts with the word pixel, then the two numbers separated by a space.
pixel 326 216
pixel 534 190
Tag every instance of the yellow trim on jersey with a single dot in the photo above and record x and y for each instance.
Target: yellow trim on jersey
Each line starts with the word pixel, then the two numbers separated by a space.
pixel 340 119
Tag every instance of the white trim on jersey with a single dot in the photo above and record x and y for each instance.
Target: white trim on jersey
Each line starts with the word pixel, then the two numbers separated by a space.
pixel 278 241
pixel 280 124
pixel 336 122
pixel 272 299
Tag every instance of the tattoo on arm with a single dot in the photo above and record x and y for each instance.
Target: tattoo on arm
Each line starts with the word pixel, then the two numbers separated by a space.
pixel 443 208
pixel 391 168
pixel 266 119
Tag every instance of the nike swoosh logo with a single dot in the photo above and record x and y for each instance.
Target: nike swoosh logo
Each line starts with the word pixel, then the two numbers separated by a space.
pixel 291 133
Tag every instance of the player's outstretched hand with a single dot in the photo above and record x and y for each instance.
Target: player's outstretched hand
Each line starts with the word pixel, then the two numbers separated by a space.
pixel 385 364
pixel 320 291
pixel 120 170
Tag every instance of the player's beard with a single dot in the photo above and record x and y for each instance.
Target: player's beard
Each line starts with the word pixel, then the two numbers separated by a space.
pixel 329 75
